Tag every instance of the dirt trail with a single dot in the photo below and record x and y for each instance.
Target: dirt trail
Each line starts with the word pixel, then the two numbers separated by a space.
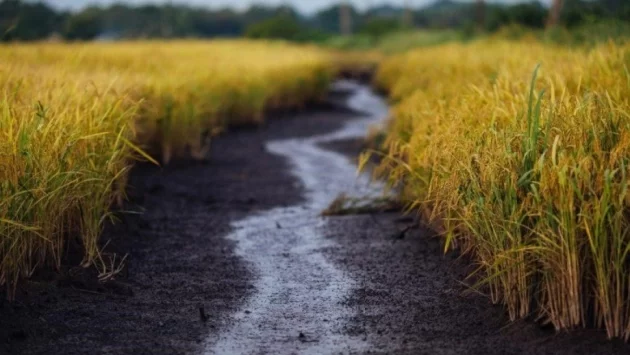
pixel 298 305
pixel 241 237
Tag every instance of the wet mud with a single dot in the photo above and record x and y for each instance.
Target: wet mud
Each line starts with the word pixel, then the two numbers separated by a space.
pixel 297 306
pixel 409 297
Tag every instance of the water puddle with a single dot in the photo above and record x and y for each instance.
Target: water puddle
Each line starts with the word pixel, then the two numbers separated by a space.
pixel 298 303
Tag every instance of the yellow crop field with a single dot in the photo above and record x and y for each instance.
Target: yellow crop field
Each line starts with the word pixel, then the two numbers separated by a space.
pixel 526 169
pixel 73 117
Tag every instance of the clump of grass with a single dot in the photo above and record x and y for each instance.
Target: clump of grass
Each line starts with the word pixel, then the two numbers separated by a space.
pixel 345 205
pixel 74 117
pixel 65 151
pixel 527 174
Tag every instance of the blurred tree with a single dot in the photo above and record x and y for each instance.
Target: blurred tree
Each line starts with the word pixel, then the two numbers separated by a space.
pixel 345 19
pixel 329 20
pixel 532 15
pixel 27 21
pixel 84 25
pixel 30 20
pixel 554 13
pixel 379 26
pixel 578 12
pixel 481 14
pixel 280 27
pixel 624 13
pixel 447 14
pixel 223 23
pixel 614 6
pixel 257 13
pixel 284 26
pixel 407 18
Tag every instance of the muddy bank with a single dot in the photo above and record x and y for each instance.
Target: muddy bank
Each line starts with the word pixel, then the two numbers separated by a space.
pixel 410 298
pixel 178 259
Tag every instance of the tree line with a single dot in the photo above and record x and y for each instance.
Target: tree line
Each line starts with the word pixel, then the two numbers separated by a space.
pixel 20 20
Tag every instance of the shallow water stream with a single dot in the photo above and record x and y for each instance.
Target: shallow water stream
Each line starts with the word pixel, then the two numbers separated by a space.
pixel 298 302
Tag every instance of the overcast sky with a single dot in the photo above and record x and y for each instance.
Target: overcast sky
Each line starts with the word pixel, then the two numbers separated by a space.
pixel 305 6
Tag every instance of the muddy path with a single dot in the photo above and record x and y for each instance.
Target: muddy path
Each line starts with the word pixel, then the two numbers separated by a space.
pixel 298 300
pixel 241 237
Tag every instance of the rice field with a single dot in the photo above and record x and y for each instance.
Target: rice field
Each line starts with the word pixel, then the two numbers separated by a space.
pixel 75 117
pixel 519 153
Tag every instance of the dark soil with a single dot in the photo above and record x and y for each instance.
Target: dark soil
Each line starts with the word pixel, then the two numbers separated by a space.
pixel 183 281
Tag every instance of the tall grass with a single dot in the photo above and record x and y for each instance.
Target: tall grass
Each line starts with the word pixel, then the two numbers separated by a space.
pixel 74 117
pixel 529 174
pixel 190 88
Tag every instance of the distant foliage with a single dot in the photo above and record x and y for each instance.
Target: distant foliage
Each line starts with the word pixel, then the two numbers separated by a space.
pixel 283 27
pixel 27 21
pixel 531 15
pixel 379 27
pixel 85 25
pixel 22 20
pixel 584 35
